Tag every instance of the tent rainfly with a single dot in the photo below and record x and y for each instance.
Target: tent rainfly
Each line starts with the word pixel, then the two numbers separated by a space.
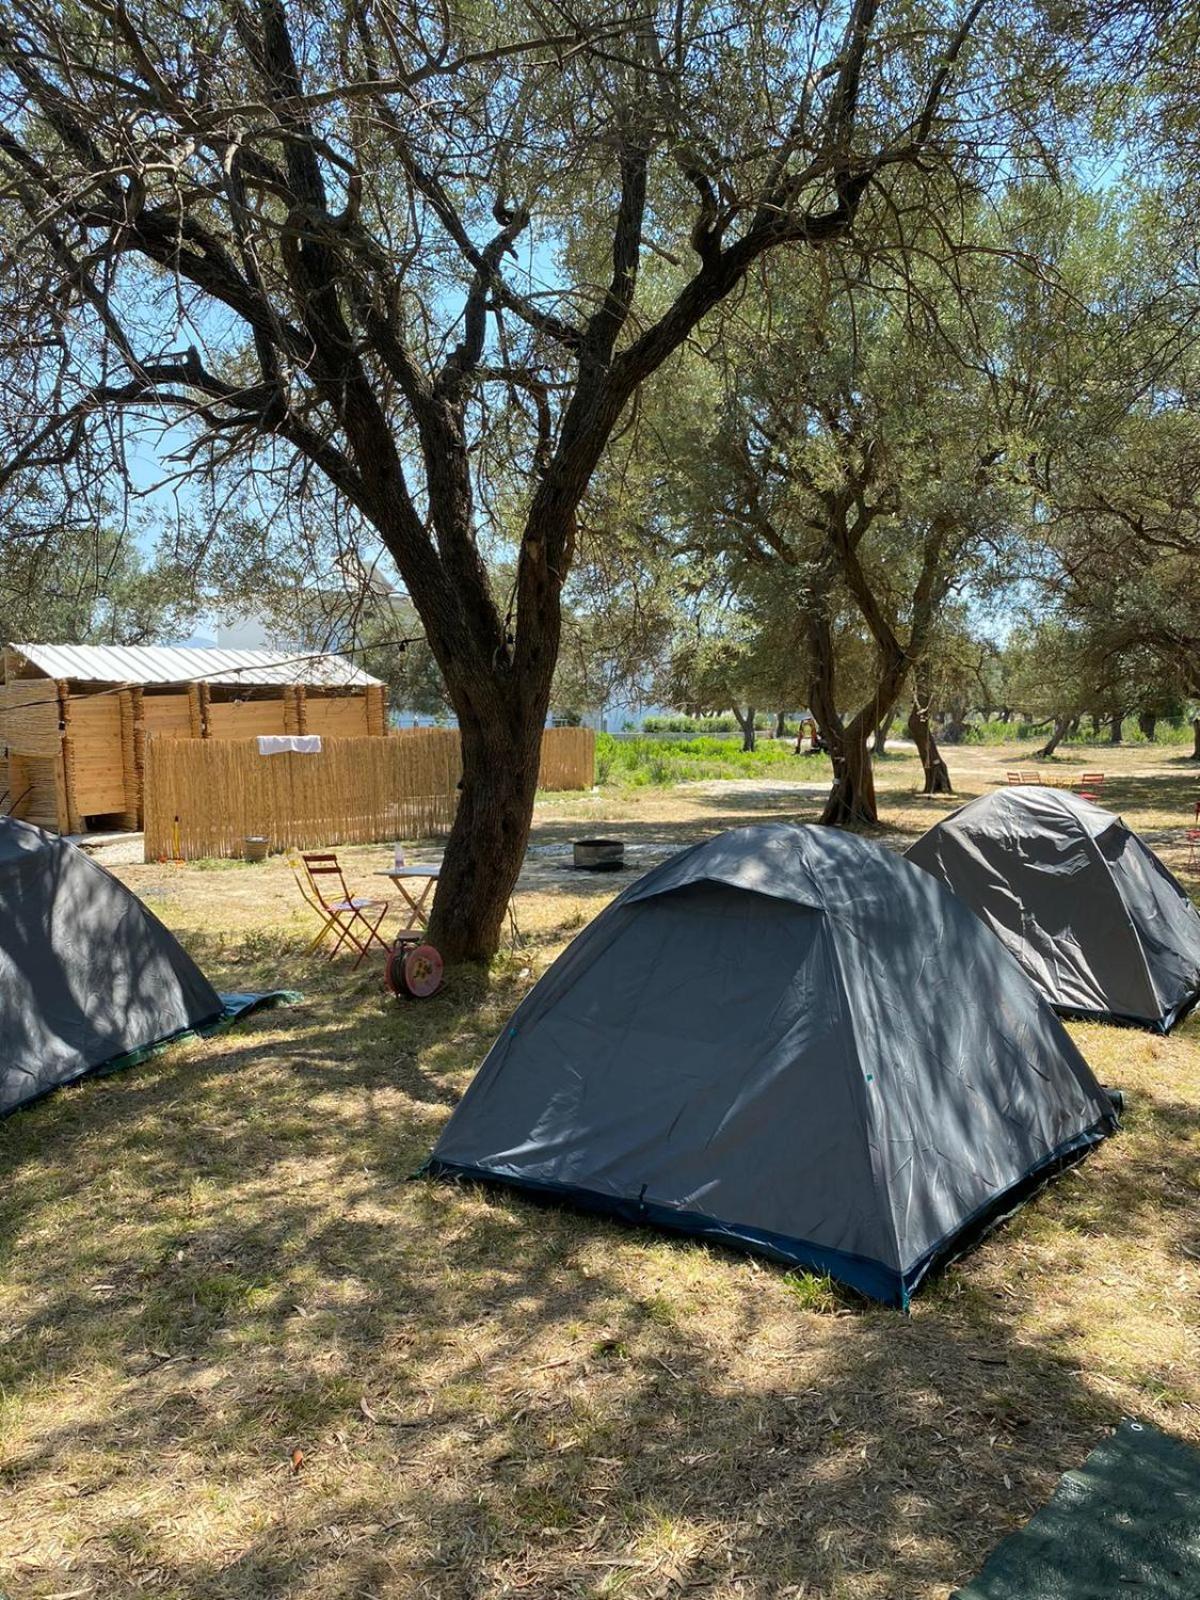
pixel 87 973
pixel 1099 924
pixel 791 1041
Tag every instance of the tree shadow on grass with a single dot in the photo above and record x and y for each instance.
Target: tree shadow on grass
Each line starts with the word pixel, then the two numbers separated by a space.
pixel 216 1260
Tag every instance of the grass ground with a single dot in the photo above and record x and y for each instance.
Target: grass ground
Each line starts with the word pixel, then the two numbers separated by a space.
pixel 242 1356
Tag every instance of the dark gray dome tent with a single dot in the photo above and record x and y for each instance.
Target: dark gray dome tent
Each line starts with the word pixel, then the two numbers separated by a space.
pixel 87 973
pixel 789 1040
pixel 1099 924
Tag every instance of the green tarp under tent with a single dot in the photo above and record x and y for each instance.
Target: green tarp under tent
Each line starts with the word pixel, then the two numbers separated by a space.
pixel 90 979
pixel 1126 1523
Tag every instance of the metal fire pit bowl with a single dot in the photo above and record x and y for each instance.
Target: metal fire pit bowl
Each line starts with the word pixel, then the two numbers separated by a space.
pixel 599 855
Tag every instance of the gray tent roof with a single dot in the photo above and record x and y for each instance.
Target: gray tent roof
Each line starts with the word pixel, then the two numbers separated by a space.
pixel 789 1039
pixel 1091 913
pixel 87 972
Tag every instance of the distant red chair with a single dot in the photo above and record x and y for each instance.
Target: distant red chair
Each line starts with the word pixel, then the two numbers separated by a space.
pixel 1090 786
pixel 342 912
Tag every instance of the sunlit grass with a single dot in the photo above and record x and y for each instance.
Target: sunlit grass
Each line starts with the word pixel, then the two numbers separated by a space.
pixel 219 1258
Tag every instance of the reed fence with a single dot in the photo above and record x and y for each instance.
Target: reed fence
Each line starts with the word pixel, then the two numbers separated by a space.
pixel 206 797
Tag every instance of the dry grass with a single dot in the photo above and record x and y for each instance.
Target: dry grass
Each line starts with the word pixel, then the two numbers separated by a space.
pixel 215 1260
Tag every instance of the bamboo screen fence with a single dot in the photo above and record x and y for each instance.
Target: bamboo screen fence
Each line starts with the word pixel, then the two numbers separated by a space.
pixel 205 797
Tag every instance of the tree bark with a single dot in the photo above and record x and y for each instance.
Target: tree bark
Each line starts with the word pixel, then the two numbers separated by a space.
pixel 881 734
pixel 1148 724
pixel 852 801
pixel 780 725
pixel 1061 724
pixel 483 856
pixel 937 774
pixel 1114 728
pixel 746 724
pixel 852 797
pixel 1196 738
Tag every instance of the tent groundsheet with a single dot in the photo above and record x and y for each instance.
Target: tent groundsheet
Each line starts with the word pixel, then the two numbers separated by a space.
pixel 1125 1523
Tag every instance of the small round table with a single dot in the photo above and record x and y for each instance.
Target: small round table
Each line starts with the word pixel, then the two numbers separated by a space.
pixel 417 914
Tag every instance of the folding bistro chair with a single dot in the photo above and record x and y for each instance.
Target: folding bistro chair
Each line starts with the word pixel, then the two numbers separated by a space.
pixel 344 913
pixel 1090 786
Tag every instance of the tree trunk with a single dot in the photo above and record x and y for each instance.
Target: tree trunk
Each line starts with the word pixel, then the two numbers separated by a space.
pixel 1114 728
pixel 937 774
pixel 881 733
pixel 852 797
pixel 780 725
pixel 1196 738
pixel 1073 726
pixel 486 848
pixel 746 724
pixel 1148 724
pixel 1061 724
pixel 852 800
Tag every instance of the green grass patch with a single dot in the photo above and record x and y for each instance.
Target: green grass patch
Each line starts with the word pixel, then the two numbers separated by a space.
pixel 659 763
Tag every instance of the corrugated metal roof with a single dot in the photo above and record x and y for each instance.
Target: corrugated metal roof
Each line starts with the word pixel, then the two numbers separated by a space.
pixel 151 663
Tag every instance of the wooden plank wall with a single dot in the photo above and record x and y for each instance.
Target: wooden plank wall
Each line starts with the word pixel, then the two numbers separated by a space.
pixel 239 719
pixel 29 716
pixel 336 716
pixel 167 714
pixel 95 762
pixel 37 779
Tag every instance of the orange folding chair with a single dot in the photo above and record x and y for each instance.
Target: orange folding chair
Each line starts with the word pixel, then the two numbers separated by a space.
pixel 341 912
pixel 1090 786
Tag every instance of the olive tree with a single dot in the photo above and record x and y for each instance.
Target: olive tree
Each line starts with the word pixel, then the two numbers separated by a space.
pixel 330 244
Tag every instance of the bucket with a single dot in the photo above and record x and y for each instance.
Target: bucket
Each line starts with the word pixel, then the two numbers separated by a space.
pixel 255 848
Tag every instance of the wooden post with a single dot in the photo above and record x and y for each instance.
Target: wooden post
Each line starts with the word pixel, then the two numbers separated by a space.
pixel 132 750
pixel 376 709
pixel 295 709
pixel 69 819
pixel 195 712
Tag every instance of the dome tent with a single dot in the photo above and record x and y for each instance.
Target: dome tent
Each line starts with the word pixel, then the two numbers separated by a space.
pixel 87 973
pixel 1099 924
pixel 789 1040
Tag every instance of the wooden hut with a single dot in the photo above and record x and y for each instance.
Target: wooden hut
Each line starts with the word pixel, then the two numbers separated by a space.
pixel 74 718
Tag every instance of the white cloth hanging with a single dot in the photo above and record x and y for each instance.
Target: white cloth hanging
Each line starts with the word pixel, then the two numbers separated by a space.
pixel 300 744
